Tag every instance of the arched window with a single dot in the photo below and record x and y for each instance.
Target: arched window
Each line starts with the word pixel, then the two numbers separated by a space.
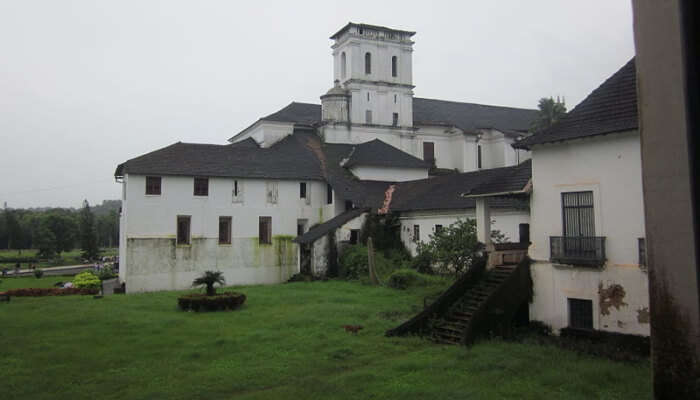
pixel 343 66
pixel 368 63
pixel 394 66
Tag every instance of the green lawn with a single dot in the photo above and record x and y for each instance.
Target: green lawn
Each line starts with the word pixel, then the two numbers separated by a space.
pixel 66 258
pixel 287 342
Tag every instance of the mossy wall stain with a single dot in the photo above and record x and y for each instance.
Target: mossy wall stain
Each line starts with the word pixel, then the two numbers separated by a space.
pixel 612 296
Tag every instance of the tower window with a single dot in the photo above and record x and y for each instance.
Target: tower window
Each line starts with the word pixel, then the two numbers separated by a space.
pixel 368 63
pixel 395 119
pixel 478 156
pixel 302 190
pixel 201 186
pixel 394 66
pixel 343 65
pixel 368 116
pixel 394 99
pixel 367 96
pixel 329 194
pixel 429 152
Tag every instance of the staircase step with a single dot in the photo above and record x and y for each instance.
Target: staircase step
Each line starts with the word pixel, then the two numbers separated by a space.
pixel 461 314
pixel 458 322
pixel 448 336
pixel 449 330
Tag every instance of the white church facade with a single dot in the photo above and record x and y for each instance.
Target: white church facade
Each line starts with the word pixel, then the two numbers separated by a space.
pixel 238 207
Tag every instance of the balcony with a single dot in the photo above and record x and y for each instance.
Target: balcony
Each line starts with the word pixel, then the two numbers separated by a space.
pixel 578 250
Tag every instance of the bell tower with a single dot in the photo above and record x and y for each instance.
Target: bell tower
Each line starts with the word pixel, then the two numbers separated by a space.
pixel 373 67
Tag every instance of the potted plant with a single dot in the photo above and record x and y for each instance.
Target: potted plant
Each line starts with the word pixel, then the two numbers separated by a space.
pixel 211 301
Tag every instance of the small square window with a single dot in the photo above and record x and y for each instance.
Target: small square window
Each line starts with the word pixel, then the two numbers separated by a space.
pixel 201 186
pixel 265 230
pixel 302 190
pixel 581 314
pixel 224 230
pixel 153 185
pixel 438 229
pixel 183 229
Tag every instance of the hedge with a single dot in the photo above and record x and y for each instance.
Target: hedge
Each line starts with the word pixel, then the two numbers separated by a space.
pixel 39 292
pixel 202 302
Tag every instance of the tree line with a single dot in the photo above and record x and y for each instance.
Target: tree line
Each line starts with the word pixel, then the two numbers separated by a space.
pixel 56 230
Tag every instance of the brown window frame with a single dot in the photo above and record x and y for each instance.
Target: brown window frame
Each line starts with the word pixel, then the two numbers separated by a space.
pixel 226 231
pixel 265 230
pixel 201 186
pixel 183 238
pixel 153 185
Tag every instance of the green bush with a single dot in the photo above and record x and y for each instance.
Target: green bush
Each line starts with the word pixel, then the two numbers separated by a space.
pixel 354 264
pixel 219 302
pixel 106 273
pixel 38 273
pixel 87 280
pixel 405 278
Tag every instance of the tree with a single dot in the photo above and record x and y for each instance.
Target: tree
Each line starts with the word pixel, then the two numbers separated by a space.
pixel 454 248
pixel 64 228
pixel 208 279
pixel 550 111
pixel 45 240
pixel 88 233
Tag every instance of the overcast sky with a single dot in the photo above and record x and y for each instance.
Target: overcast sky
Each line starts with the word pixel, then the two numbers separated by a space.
pixel 85 85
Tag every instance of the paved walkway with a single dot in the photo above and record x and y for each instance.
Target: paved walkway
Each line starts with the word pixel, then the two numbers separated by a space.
pixel 53 271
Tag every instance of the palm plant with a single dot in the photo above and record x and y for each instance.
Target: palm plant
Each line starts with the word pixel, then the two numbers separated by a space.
pixel 209 278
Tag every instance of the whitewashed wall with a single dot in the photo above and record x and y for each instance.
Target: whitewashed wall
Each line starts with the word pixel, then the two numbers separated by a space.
pixel 150 259
pixel 389 174
pixel 505 220
pixel 266 133
pixel 610 167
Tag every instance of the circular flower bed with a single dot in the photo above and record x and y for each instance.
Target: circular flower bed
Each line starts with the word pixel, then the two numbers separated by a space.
pixel 218 302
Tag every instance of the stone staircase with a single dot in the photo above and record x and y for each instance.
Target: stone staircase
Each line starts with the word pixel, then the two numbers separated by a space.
pixel 482 302
pixel 453 328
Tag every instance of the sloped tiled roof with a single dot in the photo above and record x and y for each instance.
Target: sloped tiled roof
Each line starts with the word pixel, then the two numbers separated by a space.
pixel 446 192
pixel 376 153
pixel 287 159
pixel 466 116
pixel 298 113
pixel 332 224
pixel 610 108
pixel 470 116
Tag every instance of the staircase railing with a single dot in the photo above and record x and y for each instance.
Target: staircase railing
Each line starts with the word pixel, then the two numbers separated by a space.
pixel 419 323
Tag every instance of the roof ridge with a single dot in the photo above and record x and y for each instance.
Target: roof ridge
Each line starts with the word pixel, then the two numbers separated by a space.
pixel 474 104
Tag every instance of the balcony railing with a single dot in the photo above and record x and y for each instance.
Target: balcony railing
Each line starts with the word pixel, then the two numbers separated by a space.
pixel 578 250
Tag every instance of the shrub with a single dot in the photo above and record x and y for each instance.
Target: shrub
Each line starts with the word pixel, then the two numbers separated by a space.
pixel 38 273
pixel 202 302
pixel 106 273
pixel 353 262
pixel 405 278
pixel 87 280
pixel 454 249
pixel 39 292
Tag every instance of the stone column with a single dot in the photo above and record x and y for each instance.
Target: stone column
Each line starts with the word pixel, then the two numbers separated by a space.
pixel 483 222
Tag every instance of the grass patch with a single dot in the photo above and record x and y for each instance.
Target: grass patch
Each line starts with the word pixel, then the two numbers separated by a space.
pixel 287 341
pixel 31 282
